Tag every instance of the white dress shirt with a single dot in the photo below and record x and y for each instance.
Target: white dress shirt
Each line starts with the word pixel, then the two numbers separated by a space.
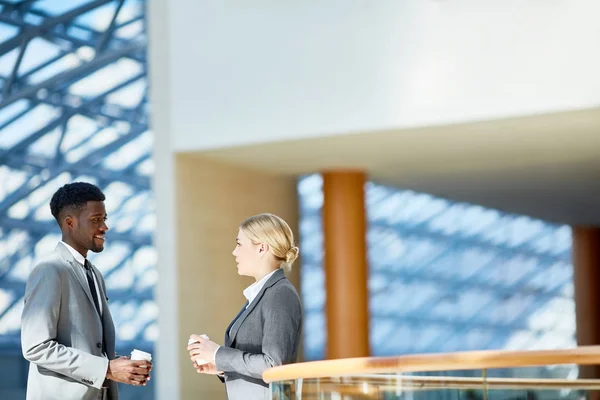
pixel 253 290
pixel 81 260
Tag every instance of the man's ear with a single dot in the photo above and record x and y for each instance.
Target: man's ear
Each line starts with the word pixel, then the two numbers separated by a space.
pixel 70 222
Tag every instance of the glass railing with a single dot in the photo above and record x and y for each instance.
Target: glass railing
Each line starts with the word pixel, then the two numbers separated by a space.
pixel 501 375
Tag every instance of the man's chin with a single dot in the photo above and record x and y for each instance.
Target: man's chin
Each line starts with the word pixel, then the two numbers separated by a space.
pixel 97 249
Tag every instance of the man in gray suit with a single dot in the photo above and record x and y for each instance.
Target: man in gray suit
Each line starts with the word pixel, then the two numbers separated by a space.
pixel 67 332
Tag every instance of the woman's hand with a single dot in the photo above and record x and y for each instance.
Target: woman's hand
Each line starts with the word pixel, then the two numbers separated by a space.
pixel 202 349
pixel 209 368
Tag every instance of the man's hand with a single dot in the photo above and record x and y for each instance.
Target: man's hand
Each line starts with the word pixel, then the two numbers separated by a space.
pixel 209 368
pixel 123 370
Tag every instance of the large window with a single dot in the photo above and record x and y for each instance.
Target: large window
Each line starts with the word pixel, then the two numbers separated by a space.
pixel 74 106
pixel 446 276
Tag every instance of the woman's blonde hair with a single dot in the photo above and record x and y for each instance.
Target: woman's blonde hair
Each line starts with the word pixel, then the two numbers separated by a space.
pixel 275 232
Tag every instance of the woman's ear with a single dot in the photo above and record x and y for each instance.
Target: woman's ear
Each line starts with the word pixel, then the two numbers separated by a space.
pixel 263 248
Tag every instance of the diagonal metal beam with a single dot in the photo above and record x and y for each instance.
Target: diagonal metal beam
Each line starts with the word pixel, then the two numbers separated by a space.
pixel 13 75
pixel 451 324
pixel 461 285
pixel 49 24
pixel 108 34
pixel 90 108
pixel 458 240
pixel 131 168
pixel 20 6
pixel 8 263
pixel 499 341
pixel 16 117
pixel 93 32
pixel 140 336
pixel 59 156
pixel 540 297
pixel 94 110
pixel 43 65
pixel 90 160
pixel 76 43
pixel 462 326
pixel 23 144
pixel 60 37
pixel 121 263
pixel 37 163
pixel 462 240
pixel 76 73
pixel 472 281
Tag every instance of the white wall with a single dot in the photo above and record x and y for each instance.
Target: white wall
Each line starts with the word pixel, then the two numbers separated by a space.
pixel 245 72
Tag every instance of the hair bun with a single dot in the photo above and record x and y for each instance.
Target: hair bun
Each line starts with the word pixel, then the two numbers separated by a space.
pixel 291 255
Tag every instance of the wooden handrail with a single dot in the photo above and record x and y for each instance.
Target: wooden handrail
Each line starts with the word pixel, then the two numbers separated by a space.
pixel 468 360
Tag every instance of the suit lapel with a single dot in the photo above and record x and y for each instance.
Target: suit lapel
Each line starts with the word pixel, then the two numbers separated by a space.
pixel 76 270
pixel 107 322
pixel 227 337
pixel 276 277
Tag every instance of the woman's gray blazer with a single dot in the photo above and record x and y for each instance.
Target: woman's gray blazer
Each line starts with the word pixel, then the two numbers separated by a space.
pixel 264 335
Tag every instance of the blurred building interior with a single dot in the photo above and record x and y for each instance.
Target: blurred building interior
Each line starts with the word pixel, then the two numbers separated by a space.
pixel 480 145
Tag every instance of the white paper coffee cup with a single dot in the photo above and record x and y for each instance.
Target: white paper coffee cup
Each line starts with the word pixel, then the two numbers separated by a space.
pixel 139 355
pixel 199 361
pixel 203 336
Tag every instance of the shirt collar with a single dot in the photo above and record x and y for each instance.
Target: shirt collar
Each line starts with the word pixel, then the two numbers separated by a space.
pixel 78 257
pixel 252 291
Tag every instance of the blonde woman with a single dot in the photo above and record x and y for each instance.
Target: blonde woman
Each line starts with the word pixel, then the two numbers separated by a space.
pixel 266 331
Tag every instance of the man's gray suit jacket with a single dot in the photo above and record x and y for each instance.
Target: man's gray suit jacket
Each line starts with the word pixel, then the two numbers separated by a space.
pixel 264 335
pixel 61 332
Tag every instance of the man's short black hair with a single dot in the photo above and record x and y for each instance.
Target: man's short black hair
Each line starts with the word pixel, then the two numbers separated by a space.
pixel 74 197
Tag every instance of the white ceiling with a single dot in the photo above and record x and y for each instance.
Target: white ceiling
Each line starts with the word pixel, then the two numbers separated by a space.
pixel 296 69
pixel 545 166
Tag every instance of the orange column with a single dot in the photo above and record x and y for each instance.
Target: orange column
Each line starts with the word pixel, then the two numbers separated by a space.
pixel 344 228
pixel 586 277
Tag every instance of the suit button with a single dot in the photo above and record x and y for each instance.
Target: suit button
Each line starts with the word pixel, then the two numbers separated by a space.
pixel 99 345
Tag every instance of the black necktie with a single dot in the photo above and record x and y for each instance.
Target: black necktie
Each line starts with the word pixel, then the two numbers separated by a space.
pixel 90 279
